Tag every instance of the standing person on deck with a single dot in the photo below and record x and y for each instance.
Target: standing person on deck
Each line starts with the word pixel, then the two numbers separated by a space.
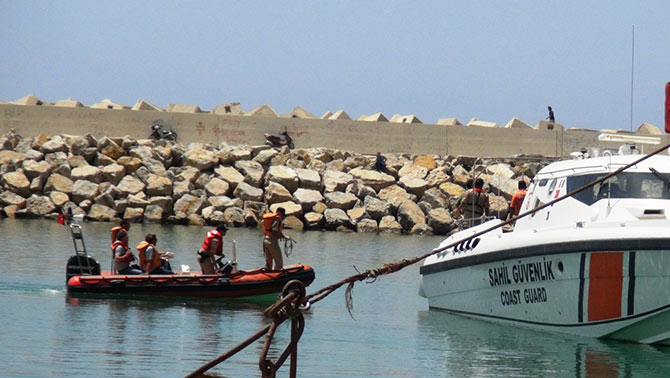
pixel 150 259
pixel 475 204
pixel 123 225
pixel 123 256
pixel 210 248
pixel 272 228
pixel 517 200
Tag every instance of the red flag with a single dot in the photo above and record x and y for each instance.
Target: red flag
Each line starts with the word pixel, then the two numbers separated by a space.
pixel 61 219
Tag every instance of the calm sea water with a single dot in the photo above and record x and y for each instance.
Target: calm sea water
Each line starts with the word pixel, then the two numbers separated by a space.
pixel 45 333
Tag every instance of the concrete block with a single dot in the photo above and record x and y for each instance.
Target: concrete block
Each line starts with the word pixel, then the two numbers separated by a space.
pixel 231 108
pixel 545 125
pixel 183 108
pixel 262 111
pixel 146 105
pixel 449 122
pixel 299 112
pixel 480 123
pixel 108 104
pixel 69 103
pixel 410 118
pixel 339 115
pixel 648 129
pixel 377 117
pixel 30 100
pixel 516 123
pixel 327 115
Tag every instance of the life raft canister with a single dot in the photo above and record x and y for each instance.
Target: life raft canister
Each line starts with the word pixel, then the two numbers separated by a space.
pixel 667 108
pixel 155 258
pixel 268 219
pixel 213 234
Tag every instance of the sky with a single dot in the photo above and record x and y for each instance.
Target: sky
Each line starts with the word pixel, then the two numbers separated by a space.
pixel 490 60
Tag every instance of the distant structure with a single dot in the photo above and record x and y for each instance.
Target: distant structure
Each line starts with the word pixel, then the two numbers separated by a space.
pixel 146 105
pixel 69 103
pixel 480 123
pixel 30 100
pixel 108 104
pixel 377 117
pixel 182 108
pixel 299 112
pixel 264 110
pixel 648 129
pixel 410 118
pixel 516 123
pixel 449 122
pixel 339 115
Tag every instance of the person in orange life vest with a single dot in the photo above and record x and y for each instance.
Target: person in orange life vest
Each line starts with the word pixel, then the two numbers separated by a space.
pixel 517 200
pixel 124 225
pixel 475 203
pixel 211 247
pixel 272 228
pixel 123 256
pixel 150 259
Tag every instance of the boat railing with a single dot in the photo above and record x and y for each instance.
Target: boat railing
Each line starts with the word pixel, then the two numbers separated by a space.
pixel 464 223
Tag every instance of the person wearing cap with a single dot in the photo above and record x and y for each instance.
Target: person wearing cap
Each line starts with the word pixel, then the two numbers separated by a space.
pixel 475 204
pixel 210 248
pixel 272 229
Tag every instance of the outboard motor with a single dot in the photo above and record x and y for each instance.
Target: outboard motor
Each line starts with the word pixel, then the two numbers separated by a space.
pixel 80 265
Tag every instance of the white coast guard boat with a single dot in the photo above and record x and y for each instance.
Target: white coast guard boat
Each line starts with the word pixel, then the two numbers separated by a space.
pixel 596 264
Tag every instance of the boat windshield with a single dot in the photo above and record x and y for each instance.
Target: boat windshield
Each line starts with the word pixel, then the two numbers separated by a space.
pixel 625 185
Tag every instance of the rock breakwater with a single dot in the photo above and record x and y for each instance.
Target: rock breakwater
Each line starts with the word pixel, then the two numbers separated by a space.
pixel 111 178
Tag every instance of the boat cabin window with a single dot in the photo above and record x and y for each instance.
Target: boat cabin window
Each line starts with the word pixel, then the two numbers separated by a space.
pixel 543 182
pixel 625 185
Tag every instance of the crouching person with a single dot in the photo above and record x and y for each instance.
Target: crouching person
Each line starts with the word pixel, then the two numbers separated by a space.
pixel 153 261
pixel 123 256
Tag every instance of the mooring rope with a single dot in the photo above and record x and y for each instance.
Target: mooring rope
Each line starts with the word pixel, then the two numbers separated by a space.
pixel 293 301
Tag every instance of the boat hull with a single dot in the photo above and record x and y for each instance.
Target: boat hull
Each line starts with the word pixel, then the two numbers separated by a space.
pixel 242 284
pixel 621 294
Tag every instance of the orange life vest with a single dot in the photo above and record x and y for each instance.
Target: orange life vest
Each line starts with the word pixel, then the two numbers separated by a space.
pixel 268 220
pixel 213 234
pixel 148 265
pixel 117 243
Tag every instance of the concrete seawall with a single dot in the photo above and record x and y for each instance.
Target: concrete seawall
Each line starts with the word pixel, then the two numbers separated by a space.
pixel 356 136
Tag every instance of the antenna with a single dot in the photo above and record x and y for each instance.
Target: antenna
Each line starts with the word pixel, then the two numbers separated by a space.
pixel 632 73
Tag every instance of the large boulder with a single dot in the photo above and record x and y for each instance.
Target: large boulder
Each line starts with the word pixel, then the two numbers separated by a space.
pixel 234 216
pixel 203 160
pixel 11 157
pixel 84 189
pixel 133 214
pixel 110 148
pixel 388 224
pixel 220 203
pixel 153 214
pixel 426 161
pixel 39 206
pixel 291 208
pixel 376 208
pixel 102 213
pixel 130 185
pixel 229 175
pixel 158 185
pixel 87 172
pixel 113 173
pixel 155 166
pixel 340 200
pixel 32 168
pixel 17 182
pixel 335 218
pixel 307 198
pixel 435 198
pixel 294 223
pixel 367 225
pixel 505 187
pixel 246 192
pixel 410 214
pixel 217 187
pixel 335 181
pixel 373 179
pixel 265 157
pixel 313 221
pixel 59 183
pixel 285 176
pixel 309 178
pixel 253 172
pixel 9 198
pixel 413 185
pixel 395 195
pixel 55 144
pixel 440 221
pixel 500 169
pixel 438 176
pixel 359 190
pixel 414 170
pixel 137 201
pixel 357 214
pixel 452 190
pixel 187 205
pixel 498 206
pixel 276 192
